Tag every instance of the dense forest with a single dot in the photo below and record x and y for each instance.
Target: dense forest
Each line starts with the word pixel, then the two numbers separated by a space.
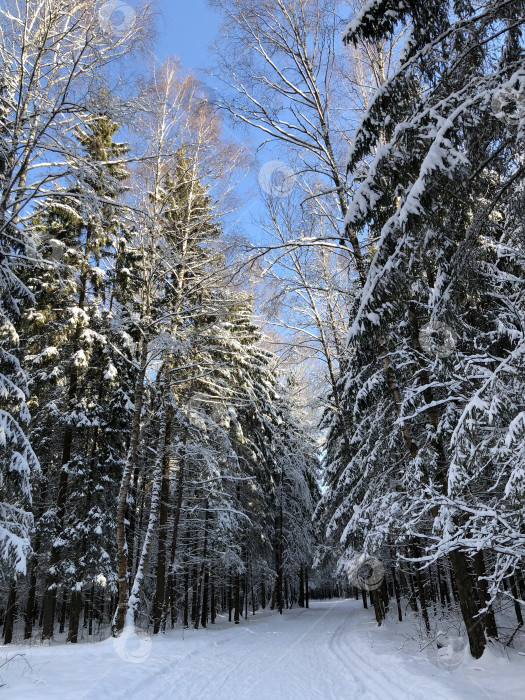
pixel 197 420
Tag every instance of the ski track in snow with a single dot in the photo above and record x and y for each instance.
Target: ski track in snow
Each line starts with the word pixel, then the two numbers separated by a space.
pixel 333 651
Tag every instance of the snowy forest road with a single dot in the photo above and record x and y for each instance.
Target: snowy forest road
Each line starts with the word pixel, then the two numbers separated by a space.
pixel 333 651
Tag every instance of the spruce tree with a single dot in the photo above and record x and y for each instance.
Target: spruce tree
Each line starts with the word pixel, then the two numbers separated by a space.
pixel 67 356
pixel 427 339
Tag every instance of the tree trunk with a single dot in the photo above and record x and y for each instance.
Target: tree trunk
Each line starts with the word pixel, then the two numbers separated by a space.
pixel 279 556
pixel 237 599
pixel 301 586
pixel 122 550
pixel 29 614
pixel 466 589
pixel 75 607
pixel 160 591
pixel 194 593
pixel 132 605
pixel 484 597
pixel 467 603
pixel 397 594
pixel 185 621
pixel 10 613
pixel 213 603
pixel 203 578
pixel 168 600
pixel 378 608
pixel 91 609
pixel 306 588
pixel 62 615
pixel 230 598
pixel 421 591
pixel 204 607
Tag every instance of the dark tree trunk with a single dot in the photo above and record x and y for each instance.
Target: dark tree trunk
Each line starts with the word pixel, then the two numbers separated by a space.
pixel 49 600
pixel 237 598
pixel 194 594
pixel 186 597
pixel 421 592
pixel 9 621
pixel 48 607
pixel 90 609
pixel 301 586
pixel 169 601
pixel 62 614
pixel 378 608
pixel 230 598
pixel 385 598
pixel 397 594
pixel 86 612
pixel 172 582
pixel 160 590
pixel 484 597
pixel 204 577
pixel 409 593
pixel 467 602
pixel 205 595
pixel 213 603
pixel 441 588
pixel 306 587
pixel 29 614
pixel 74 616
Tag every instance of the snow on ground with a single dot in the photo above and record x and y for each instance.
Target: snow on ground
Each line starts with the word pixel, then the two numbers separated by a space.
pixel 333 650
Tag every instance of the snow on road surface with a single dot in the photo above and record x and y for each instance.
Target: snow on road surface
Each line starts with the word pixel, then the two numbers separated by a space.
pixel 334 650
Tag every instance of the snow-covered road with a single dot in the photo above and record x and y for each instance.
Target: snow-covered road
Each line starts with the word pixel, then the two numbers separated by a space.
pixel 332 651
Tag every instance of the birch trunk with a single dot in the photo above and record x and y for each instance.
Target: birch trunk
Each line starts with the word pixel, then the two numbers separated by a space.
pixel 122 547
pixel 133 603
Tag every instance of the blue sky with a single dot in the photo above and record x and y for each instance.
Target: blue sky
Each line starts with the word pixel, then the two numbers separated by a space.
pixel 186 28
